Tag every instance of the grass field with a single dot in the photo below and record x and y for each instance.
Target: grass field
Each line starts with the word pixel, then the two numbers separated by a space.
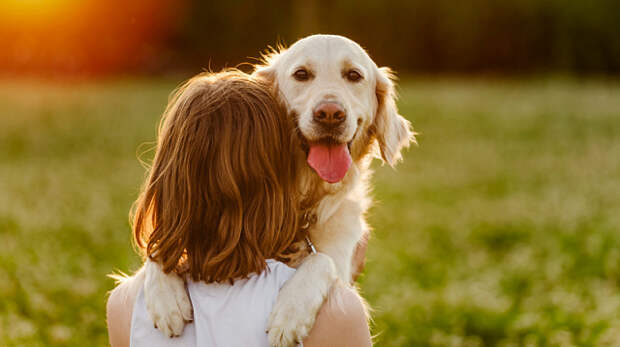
pixel 502 228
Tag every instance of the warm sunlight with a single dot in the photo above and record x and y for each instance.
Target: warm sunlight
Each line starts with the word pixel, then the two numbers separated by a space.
pixel 81 37
pixel 33 12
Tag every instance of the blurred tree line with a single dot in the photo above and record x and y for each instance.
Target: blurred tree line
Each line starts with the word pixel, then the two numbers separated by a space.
pixel 514 36
pixel 96 37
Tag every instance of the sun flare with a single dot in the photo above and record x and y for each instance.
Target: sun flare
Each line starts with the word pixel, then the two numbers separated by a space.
pixel 82 37
pixel 32 12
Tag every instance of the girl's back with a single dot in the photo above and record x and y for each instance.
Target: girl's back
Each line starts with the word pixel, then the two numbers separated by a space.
pixel 224 314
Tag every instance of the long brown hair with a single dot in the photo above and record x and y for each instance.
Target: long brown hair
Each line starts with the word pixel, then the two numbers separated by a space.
pixel 220 197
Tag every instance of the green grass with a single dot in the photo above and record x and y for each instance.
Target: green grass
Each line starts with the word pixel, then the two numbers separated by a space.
pixel 500 229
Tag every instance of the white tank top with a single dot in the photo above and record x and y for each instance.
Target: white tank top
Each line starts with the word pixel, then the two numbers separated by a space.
pixel 224 315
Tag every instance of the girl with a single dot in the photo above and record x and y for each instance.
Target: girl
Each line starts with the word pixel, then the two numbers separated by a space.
pixel 220 207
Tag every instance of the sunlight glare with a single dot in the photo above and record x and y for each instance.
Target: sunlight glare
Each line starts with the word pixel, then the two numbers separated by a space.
pixel 32 12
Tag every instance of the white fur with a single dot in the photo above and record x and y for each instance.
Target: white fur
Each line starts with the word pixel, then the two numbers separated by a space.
pixel 166 299
pixel 340 223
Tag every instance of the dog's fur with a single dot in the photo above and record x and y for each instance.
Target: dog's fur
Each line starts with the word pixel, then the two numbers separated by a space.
pixel 373 128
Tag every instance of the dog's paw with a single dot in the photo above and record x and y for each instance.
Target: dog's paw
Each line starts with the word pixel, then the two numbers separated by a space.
pixel 290 322
pixel 166 300
pixel 299 301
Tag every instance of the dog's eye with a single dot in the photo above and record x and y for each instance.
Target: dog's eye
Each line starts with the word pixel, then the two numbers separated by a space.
pixel 353 76
pixel 302 75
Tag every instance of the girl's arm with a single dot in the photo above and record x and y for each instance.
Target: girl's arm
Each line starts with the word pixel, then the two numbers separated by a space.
pixel 120 308
pixel 342 321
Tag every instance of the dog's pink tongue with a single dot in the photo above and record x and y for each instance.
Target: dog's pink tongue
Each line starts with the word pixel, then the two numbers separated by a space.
pixel 331 162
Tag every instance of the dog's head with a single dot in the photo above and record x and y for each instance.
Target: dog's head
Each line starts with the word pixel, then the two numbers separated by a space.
pixel 342 102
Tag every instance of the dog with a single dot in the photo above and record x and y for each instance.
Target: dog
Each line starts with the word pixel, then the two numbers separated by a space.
pixel 346 115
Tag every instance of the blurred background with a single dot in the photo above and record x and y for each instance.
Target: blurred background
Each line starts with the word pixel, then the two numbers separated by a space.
pixel 500 229
pixel 90 37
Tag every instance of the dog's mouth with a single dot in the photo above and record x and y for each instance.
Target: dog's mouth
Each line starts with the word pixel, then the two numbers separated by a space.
pixel 328 157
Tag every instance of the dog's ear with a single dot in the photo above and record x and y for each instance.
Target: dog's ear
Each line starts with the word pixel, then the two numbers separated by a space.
pixel 393 131
pixel 266 71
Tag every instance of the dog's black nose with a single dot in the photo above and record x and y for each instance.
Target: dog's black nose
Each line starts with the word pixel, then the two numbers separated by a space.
pixel 329 114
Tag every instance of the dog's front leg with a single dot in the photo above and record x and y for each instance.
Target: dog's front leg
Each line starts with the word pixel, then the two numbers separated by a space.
pixel 339 235
pixel 302 296
pixel 166 299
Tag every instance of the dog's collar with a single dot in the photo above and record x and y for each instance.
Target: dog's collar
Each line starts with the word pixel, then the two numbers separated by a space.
pixel 309 218
pixel 310 245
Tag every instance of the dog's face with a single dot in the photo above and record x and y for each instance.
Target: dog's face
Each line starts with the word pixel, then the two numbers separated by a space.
pixel 329 83
pixel 338 96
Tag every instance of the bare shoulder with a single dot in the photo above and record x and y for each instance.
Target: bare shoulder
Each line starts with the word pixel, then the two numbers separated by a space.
pixel 119 309
pixel 342 320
